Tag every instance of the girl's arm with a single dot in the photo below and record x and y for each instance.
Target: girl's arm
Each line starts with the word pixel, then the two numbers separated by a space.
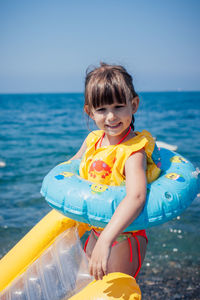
pixel 80 152
pixel 126 212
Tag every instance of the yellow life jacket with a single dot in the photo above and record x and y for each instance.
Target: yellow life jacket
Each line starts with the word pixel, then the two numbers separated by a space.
pixel 105 165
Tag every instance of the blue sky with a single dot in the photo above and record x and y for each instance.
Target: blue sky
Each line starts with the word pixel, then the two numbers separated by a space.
pixel 46 46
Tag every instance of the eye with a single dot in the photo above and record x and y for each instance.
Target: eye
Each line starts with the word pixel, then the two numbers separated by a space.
pixel 119 106
pixel 100 109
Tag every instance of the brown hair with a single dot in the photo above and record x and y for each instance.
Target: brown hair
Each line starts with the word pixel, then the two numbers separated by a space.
pixel 108 84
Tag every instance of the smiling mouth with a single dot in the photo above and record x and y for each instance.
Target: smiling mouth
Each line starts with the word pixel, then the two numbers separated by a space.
pixel 113 126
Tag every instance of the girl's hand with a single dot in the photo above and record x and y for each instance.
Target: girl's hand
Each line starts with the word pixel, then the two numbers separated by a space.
pixel 98 265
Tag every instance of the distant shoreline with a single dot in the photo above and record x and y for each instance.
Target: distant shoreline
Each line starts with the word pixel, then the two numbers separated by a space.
pixel 81 93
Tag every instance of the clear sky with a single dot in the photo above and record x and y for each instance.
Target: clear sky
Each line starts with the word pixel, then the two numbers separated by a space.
pixel 46 45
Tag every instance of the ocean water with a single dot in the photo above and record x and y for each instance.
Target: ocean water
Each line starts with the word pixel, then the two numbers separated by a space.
pixel 38 131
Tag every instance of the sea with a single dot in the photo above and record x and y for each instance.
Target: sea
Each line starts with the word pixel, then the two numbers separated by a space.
pixel 38 131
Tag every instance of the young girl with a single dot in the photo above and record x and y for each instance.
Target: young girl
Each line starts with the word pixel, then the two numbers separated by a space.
pixel 116 155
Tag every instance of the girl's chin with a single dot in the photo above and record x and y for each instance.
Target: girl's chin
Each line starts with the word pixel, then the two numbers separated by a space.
pixel 114 131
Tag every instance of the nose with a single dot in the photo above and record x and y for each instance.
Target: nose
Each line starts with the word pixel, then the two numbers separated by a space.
pixel 111 115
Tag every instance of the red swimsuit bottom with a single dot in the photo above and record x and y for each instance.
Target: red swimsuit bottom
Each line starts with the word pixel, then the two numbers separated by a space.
pixel 129 234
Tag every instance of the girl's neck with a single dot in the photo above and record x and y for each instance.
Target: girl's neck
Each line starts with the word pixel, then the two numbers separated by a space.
pixel 115 140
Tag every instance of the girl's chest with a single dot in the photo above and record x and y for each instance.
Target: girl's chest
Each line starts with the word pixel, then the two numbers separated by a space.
pixel 101 164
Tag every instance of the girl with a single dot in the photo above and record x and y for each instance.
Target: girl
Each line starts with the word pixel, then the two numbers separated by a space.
pixel 116 155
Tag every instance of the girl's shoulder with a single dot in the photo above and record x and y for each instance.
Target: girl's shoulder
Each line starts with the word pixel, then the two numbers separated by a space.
pixel 93 137
pixel 141 140
pixel 150 144
pixel 144 140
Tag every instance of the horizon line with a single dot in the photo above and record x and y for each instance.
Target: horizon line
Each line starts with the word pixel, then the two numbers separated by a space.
pixel 73 92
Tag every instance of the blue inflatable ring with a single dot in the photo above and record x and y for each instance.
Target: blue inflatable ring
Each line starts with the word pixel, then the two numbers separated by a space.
pixel 84 201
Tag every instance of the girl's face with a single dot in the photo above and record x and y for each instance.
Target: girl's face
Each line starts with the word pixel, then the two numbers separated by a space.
pixel 114 118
